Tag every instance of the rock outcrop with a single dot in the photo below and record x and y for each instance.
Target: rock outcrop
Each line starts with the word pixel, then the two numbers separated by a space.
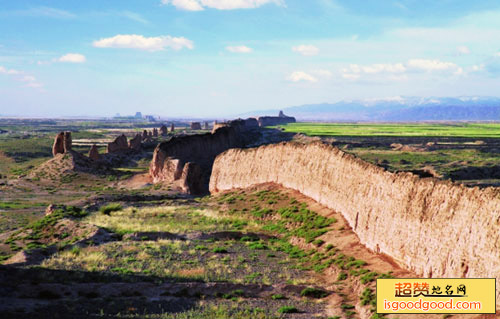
pixel 120 144
pixel 94 153
pixel 135 143
pixel 433 227
pixel 170 158
pixel 163 130
pixel 68 142
pixel 192 179
pixel 239 124
pixel 275 120
pixel 195 126
pixel 218 126
pixel 62 143
pixel 58 146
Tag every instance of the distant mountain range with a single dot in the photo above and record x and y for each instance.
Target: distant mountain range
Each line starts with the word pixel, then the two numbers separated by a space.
pixel 399 109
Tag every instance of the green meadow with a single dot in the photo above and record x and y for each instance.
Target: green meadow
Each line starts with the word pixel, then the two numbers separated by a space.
pixel 470 130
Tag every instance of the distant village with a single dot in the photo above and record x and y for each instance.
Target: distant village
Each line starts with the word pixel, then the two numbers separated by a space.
pixel 262 120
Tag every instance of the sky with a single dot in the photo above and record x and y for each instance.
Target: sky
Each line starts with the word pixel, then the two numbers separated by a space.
pixel 208 58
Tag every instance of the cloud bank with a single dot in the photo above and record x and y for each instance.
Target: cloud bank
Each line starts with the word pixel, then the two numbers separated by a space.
pixel 200 5
pixel 139 42
pixel 239 49
pixel 72 58
pixel 306 50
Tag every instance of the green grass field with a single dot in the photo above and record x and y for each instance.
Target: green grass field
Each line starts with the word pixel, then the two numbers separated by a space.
pixel 470 130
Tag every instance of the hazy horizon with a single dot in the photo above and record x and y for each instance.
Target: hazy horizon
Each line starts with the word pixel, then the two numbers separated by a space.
pixel 215 58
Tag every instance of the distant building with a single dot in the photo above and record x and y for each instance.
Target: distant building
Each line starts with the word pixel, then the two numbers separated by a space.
pixel 275 120
pixel 138 115
pixel 195 125
pixel 150 118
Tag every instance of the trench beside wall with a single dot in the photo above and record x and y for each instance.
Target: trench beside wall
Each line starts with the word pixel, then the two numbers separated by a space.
pixel 435 228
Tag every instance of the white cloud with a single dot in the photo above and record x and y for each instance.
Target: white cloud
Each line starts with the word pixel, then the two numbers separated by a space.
pixel 239 49
pixel 398 71
pixel 29 80
pixel 139 42
pixel 188 5
pixel 375 68
pixel 463 50
pixel 199 5
pixel 72 58
pixel 434 65
pixel 4 70
pixel 298 76
pixel 307 50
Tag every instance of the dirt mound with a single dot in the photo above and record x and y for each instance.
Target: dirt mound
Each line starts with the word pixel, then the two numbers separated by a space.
pixel 63 164
pixel 408 148
pixel 49 236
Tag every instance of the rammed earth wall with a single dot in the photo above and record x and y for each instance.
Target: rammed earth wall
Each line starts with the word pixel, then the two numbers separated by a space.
pixel 435 228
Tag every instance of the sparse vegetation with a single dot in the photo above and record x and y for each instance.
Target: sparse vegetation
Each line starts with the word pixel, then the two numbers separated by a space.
pixel 288 309
pixel 246 245
pixel 108 209
pixel 313 293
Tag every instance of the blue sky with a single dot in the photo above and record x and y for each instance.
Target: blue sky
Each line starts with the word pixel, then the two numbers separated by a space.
pixel 222 57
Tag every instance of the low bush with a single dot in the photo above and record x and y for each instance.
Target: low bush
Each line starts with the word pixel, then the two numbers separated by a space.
pixel 108 209
pixel 313 293
pixel 288 309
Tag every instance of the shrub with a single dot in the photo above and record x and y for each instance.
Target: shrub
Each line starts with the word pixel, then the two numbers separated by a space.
pixel 288 309
pixel 278 297
pixel 313 293
pixel 368 298
pixel 108 209
pixel 355 263
pixel 257 245
pixel 248 238
pixel 318 242
pixel 369 277
pixel 261 212
pixel 219 250
pixel 342 276
pixel 346 306
pixel 238 292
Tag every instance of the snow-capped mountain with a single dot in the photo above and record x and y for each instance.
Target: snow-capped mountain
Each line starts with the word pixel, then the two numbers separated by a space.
pixel 467 108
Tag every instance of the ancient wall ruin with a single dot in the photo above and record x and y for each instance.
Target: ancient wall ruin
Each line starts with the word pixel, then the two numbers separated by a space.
pixel 275 120
pixel 62 143
pixel 171 158
pixel 120 144
pixel 433 227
